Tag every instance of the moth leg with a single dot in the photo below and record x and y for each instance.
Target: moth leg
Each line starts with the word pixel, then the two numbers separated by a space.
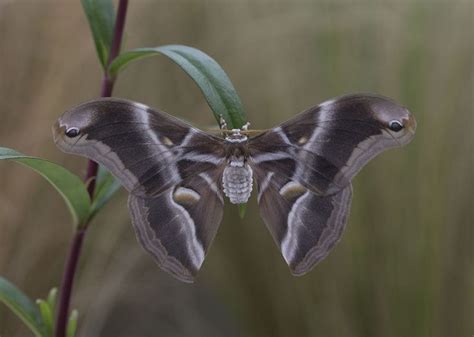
pixel 222 123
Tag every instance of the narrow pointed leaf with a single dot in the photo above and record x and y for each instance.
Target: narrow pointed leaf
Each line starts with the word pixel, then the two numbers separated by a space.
pixel 72 324
pixel 214 83
pixel 52 297
pixel 101 17
pixel 47 316
pixel 22 306
pixel 69 186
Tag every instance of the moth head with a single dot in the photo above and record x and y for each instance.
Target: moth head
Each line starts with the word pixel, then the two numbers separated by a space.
pixel 395 120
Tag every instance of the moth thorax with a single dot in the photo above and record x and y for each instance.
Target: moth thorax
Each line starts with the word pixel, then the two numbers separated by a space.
pixel 237 181
pixel 236 137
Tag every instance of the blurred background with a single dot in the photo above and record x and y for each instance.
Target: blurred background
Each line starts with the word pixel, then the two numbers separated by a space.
pixel 405 266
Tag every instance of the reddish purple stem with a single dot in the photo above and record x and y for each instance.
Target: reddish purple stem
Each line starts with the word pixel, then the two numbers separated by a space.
pixel 92 168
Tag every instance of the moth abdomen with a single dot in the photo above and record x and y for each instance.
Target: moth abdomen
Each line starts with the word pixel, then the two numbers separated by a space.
pixel 237 181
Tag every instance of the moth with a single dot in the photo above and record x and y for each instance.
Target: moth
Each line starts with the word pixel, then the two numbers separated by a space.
pixel 178 176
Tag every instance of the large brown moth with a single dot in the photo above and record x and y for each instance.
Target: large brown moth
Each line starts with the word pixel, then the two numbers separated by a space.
pixel 178 176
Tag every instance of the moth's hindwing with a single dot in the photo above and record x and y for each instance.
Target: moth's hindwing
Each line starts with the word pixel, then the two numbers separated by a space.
pixel 305 226
pixel 178 226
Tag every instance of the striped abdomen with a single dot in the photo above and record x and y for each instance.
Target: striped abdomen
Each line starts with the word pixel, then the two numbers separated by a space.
pixel 237 181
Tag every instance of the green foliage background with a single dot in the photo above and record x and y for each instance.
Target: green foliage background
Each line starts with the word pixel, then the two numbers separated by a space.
pixel 405 266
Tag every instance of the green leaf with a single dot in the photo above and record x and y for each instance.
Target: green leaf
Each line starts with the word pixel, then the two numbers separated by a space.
pixel 214 83
pixel 52 296
pixel 106 188
pixel 101 17
pixel 22 306
pixel 70 186
pixel 48 309
pixel 47 315
pixel 72 324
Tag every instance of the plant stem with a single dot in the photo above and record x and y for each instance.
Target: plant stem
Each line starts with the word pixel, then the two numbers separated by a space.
pixel 92 168
pixel 108 82
pixel 67 283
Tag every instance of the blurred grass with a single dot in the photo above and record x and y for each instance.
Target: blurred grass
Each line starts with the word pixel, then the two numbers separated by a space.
pixel 405 265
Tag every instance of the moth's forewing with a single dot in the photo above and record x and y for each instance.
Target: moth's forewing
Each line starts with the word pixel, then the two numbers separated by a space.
pixel 325 146
pixel 147 150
